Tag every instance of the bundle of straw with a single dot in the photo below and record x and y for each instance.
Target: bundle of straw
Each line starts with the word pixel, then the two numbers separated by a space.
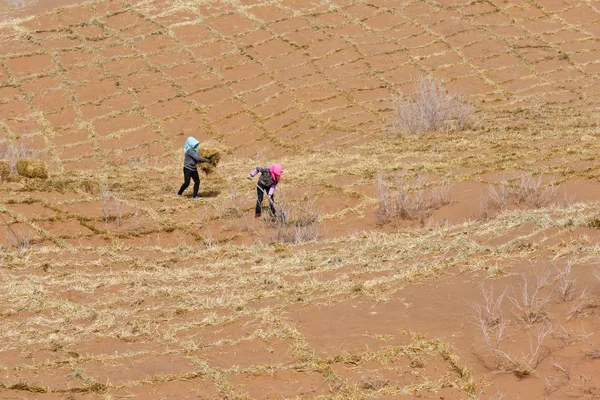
pixel 32 168
pixel 215 157
pixel 4 170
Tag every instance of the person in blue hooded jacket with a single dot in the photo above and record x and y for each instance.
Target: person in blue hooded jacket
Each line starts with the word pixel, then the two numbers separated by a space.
pixel 191 159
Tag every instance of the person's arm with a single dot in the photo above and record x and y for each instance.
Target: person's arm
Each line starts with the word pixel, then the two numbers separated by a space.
pixel 197 157
pixel 272 189
pixel 253 173
pixel 256 171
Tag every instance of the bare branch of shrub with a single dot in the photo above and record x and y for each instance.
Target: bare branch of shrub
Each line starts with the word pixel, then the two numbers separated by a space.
pixel 566 283
pixel 489 315
pixel 530 304
pixel 432 108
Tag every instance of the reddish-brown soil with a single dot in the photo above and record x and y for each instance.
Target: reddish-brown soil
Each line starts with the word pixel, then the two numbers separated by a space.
pixel 113 287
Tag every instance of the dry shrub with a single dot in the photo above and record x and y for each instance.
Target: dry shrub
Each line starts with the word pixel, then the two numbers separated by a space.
pixel 489 319
pixel 4 170
pixel 214 155
pixel 582 305
pixel 566 284
pixel 32 168
pixel 553 383
pixel 294 224
pixel 111 206
pixel 15 151
pixel 530 192
pixel 489 315
pixel 402 200
pixel 432 109
pixel 530 304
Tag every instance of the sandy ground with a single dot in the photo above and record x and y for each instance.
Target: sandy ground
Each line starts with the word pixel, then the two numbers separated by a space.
pixel 112 287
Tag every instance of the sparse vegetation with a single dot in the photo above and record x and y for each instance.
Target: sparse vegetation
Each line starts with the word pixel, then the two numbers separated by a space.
pixel 530 303
pixel 111 207
pixel 431 109
pixel 528 192
pixel 531 192
pixel 566 284
pixel 294 224
pixel 402 200
pixel 13 152
pixel 113 288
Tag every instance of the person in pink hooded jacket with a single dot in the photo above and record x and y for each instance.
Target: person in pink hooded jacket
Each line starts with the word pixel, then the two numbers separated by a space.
pixel 269 178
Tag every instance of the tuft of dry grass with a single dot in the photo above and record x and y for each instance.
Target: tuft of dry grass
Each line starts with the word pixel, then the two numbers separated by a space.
pixel 431 109
pixel 554 382
pixel 499 195
pixel 593 350
pixel 373 382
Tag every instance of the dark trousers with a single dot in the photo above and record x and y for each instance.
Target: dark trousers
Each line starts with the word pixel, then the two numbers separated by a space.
pixel 260 192
pixel 187 174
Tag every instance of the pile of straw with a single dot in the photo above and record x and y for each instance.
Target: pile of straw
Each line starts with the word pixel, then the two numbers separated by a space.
pixel 32 168
pixel 214 155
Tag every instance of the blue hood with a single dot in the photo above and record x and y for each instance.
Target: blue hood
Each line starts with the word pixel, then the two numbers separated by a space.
pixel 190 143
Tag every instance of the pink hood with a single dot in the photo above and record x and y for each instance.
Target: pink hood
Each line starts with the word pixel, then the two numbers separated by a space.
pixel 276 171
